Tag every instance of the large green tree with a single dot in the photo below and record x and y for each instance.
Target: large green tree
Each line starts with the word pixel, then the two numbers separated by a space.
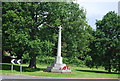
pixel 32 29
pixel 106 46
pixel 20 30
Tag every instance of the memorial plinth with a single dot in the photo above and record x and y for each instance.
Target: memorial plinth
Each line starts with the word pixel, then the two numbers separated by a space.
pixel 58 66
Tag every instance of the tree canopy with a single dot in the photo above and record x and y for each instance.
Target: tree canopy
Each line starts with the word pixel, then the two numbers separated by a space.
pixel 30 30
pixel 106 46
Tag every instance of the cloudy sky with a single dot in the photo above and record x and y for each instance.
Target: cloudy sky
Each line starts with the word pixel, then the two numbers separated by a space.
pixel 96 9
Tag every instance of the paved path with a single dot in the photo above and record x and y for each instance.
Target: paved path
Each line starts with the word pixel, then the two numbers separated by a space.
pixel 24 77
pixel 38 77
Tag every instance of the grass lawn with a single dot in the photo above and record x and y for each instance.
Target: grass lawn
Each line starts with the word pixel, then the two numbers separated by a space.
pixel 77 72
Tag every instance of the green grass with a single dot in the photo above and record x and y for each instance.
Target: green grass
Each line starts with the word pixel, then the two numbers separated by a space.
pixel 77 72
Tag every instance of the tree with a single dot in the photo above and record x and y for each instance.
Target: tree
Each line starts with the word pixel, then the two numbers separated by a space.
pixel 105 48
pixel 31 28
pixel 19 30
pixel 76 34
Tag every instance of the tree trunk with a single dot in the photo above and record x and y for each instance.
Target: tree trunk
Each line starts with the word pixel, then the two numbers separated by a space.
pixel 109 69
pixel 19 56
pixel 33 62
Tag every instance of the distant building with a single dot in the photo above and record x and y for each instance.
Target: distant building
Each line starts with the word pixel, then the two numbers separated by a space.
pixel 119 7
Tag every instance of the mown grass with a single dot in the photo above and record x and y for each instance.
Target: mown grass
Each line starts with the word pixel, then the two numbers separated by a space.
pixel 77 72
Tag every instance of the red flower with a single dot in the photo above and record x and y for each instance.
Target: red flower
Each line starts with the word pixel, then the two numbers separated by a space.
pixel 65 68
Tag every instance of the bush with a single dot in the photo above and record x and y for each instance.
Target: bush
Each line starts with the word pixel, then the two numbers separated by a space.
pixel 6 59
pixel 45 60
pixel 50 60
pixel 76 61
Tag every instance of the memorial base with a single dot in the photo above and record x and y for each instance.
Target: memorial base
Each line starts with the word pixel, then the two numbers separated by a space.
pixel 57 67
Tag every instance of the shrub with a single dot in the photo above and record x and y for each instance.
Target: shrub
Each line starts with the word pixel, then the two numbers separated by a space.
pixel 45 60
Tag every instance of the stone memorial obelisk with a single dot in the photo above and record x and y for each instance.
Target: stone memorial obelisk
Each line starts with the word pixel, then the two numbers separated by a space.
pixel 58 66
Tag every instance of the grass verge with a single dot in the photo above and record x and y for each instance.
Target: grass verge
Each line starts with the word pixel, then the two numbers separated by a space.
pixel 77 72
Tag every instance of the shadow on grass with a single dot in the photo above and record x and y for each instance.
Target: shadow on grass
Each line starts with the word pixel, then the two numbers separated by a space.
pixel 97 71
pixel 17 68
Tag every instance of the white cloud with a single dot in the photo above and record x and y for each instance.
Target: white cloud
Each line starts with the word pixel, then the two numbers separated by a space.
pixel 96 10
pixel 99 7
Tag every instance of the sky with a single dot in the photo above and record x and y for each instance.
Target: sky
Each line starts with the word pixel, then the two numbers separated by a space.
pixel 96 9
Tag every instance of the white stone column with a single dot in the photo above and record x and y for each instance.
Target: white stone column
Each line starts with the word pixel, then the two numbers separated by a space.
pixel 59 42
pixel 58 59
